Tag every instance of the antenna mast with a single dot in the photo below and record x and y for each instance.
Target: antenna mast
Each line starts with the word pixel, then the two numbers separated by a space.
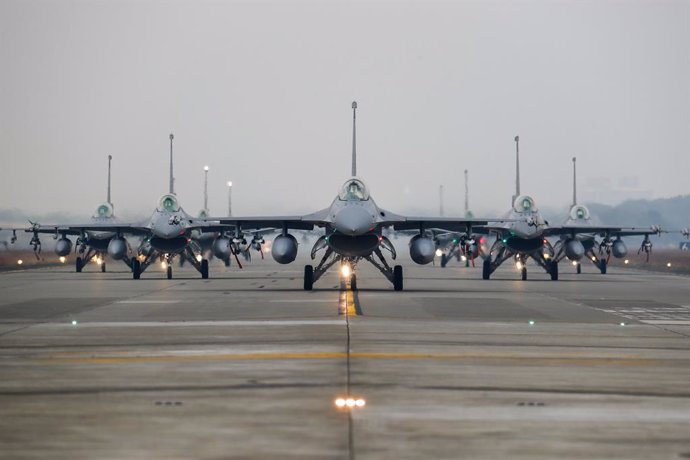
pixel 517 169
pixel 110 159
pixel 467 195
pixel 205 188
pixel 574 182
pixel 440 195
pixel 354 138
pixel 172 180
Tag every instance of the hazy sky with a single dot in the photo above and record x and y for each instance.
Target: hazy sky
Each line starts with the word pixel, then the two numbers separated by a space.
pixel 261 92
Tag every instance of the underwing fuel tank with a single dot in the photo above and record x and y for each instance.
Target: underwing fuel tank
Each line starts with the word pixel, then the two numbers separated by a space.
pixel 284 249
pixel 63 246
pixel 117 248
pixel 574 250
pixel 422 249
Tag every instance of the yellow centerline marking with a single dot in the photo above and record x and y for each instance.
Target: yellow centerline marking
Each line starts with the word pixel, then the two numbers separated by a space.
pixel 346 305
pixel 482 358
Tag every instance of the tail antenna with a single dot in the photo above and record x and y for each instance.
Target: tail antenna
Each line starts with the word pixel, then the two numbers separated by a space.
pixel 517 169
pixel 354 138
pixel 110 159
pixel 574 181
pixel 172 179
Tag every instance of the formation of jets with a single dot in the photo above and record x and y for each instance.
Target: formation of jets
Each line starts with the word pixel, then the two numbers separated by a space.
pixel 354 229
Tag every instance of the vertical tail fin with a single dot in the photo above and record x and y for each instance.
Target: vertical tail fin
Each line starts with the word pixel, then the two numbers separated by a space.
pixel 354 138
pixel 467 195
pixel 517 169
pixel 172 180
pixel 110 159
pixel 574 182
pixel 205 188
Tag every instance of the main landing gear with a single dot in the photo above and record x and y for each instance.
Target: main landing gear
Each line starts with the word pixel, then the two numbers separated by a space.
pixel 393 274
pixel 138 266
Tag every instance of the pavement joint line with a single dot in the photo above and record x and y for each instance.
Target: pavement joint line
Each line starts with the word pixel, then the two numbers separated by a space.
pixel 268 322
pixel 349 355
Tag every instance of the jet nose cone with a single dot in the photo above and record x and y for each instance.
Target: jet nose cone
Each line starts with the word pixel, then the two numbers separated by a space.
pixel 353 220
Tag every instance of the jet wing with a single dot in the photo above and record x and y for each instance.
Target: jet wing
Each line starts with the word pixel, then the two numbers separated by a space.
pixel 263 223
pixel 452 224
pixel 601 230
pixel 78 229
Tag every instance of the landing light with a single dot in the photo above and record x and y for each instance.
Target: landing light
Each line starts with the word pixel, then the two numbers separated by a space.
pixel 574 263
pixel 350 403
pixel 199 258
pixel 439 253
pixel 164 265
pixel 594 259
pixel 346 271
pixel 20 261
pixel 668 265
pixel 547 256
pixel 518 265
pixel 622 323
pixel 99 260
pixel 463 258
pixel 74 322
pixel 626 261
pixel 531 322
pixel 62 259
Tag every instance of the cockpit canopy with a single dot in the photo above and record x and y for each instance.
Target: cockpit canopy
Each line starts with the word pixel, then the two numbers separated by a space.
pixel 579 212
pixel 524 203
pixel 203 214
pixel 104 211
pixel 169 203
pixel 354 190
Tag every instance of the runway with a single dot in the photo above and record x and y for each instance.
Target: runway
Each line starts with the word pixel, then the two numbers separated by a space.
pixel 248 365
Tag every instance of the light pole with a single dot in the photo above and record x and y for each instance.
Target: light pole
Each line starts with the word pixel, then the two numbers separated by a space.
pixel 229 198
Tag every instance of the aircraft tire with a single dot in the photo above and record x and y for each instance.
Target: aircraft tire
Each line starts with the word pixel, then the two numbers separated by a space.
pixel 227 261
pixel 553 270
pixel 486 269
pixel 524 273
pixel 398 278
pixel 579 268
pixel 602 266
pixel 204 269
pixel 444 260
pixel 79 264
pixel 168 272
pixel 103 267
pixel 353 282
pixel 308 277
pixel 136 269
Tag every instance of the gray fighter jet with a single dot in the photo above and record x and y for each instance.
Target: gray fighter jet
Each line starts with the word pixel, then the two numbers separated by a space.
pixel 525 237
pixel 166 234
pixel 353 226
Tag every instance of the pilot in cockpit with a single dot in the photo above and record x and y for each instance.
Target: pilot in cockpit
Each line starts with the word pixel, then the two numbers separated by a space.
pixel 354 190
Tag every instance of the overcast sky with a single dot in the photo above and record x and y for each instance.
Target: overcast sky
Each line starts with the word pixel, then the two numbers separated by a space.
pixel 261 92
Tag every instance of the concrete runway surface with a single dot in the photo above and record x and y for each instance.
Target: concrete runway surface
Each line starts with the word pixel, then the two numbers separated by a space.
pixel 248 365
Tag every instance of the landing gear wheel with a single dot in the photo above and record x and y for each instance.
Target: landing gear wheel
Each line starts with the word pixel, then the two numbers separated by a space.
pixel 444 260
pixel 136 269
pixel 553 271
pixel 227 262
pixel 79 264
pixel 169 272
pixel 398 278
pixel 579 268
pixel 103 267
pixel 308 277
pixel 204 269
pixel 486 269
pixel 602 266
pixel 353 282
pixel 467 262
pixel 524 273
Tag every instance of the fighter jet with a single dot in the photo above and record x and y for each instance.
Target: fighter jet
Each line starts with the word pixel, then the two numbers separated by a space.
pixel 165 234
pixel 579 216
pixel 353 226
pixel 92 244
pixel 526 236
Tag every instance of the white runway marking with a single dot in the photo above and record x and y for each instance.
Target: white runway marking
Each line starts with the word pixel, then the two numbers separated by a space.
pixel 668 322
pixel 301 301
pixel 315 322
pixel 147 301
